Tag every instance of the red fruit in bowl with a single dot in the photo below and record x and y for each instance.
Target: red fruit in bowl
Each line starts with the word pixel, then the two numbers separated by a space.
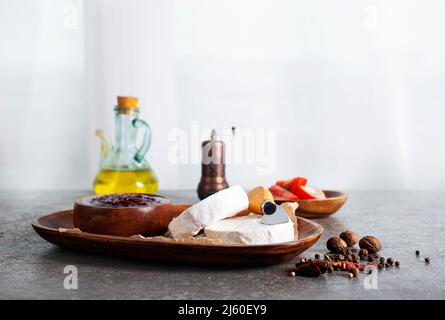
pixel 286 184
pixel 297 183
pixel 304 192
pixel 290 184
pixel 281 194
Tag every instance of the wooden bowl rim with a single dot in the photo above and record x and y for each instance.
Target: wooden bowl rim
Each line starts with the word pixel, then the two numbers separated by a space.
pixel 314 236
pixel 79 200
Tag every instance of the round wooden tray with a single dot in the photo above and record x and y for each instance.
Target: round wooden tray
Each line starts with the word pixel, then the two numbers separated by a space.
pixel 157 250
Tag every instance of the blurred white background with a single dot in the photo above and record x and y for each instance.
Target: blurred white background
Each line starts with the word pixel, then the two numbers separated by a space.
pixel 354 89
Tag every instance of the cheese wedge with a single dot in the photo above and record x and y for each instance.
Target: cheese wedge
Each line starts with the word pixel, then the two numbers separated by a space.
pixel 223 204
pixel 249 230
pixel 256 198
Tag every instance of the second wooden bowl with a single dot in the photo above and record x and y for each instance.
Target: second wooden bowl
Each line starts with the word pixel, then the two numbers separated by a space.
pixel 320 208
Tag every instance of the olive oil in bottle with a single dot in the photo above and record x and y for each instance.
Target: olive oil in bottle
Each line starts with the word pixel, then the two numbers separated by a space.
pixel 133 181
pixel 123 168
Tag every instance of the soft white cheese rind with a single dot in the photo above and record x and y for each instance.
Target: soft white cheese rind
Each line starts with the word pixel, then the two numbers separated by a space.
pixel 223 204
pixel 249 230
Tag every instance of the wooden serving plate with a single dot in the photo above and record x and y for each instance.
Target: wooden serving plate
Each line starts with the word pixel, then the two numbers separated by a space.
pixel 320 208
pixel 157 250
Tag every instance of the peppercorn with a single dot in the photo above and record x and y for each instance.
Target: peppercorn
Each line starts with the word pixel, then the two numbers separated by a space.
pixel 317 256
pixel 382 259
pixel 390 261
pixel 380 266
pixel 417 252
pixel 397 263
pixel 363 253
pixel 387 265
pixel 370 258
pixel 354 272
pixel 427 259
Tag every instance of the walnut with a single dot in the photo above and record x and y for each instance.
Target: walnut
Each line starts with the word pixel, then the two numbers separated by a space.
pixel 370 243
pixel 336 245
pixel 350 237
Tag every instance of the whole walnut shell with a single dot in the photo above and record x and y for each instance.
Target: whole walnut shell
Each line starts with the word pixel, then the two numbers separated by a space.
pixel 370 243
pixel 350 237
pixel 336 245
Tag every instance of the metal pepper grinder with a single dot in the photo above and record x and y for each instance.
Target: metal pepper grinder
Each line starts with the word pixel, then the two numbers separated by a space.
pixel 213 171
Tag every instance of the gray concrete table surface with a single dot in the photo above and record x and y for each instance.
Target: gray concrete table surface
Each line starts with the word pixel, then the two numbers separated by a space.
pixel 32 268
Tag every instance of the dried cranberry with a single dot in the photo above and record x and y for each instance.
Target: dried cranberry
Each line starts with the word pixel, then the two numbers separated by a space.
pixel 124 200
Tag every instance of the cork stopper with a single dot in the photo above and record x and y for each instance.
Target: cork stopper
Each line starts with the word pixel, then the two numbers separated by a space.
pixel 127 102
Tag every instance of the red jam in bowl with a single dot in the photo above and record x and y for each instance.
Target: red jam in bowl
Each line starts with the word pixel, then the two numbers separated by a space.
pixel 124 200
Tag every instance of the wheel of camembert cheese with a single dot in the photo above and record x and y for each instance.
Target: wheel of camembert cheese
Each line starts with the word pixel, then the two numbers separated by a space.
pixel 223 204
pixel 250 230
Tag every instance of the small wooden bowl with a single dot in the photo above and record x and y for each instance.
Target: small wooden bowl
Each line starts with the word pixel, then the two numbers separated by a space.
pixel 122 221
pixel 320 208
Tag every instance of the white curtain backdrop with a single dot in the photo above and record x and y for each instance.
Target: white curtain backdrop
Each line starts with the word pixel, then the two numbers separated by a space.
pixel 354 90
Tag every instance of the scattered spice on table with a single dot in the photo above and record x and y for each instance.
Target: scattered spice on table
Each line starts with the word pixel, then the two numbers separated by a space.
pixel 341 258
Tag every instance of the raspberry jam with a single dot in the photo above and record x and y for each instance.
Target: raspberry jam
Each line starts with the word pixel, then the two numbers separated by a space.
pixel 125 200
